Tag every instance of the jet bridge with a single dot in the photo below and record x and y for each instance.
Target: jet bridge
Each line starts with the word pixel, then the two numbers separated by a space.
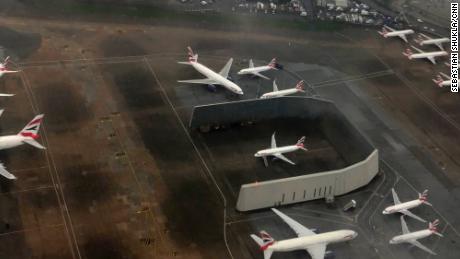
pixel 360 156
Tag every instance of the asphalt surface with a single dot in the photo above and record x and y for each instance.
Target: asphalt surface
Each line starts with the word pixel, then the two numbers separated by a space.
pixel 123 177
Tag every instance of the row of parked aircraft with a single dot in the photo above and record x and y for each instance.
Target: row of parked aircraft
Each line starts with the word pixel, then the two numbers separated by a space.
pixel 441 79
pixel 307 239
pixel 315 243
pixel 28 135
pixel 222 78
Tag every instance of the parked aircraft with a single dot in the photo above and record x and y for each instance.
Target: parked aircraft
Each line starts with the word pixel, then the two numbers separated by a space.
pixel 390 32
pixel 213 78
pixel 251 70
pixel 404 207
pixel 442 80
pixel 422 54
pixel 278 151
pixel 306 239
pixel 411 237
pixel 28 135
pixel 4 69
pixel 426 40
pixel 277 93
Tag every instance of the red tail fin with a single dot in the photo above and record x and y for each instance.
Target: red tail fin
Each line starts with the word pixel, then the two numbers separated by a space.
pixel 31 129
pixel 384 32
pixel 272 63
pixel 300 86
pixel 192 57
pixel 266 239
pixel 438 80
pixel 423 196
pixel 433 225
pixel 300 142
pixel 408 53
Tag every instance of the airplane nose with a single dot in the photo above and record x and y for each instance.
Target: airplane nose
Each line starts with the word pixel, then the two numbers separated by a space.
pixel 355 234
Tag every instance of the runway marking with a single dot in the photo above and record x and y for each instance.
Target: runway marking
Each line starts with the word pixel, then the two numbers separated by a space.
pixel 30 229
pixel 356 217
pixel 56 182
pixel 210 175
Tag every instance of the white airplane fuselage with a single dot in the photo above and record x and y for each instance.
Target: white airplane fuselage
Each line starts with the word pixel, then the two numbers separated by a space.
pixel 434 41
pixel 398 33
pixel 12 141
pixel 428 54
pixel 217 77
pixel 301 243
pixel 402 206
pixel 411 236
pixel 280 93
pixel 254 70
pixel 445 83
pixel 271 151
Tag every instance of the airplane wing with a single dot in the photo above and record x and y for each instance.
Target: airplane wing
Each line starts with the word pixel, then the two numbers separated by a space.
pixel 226 69
pixel 419 245
pixel 395 197
pixel 317 251
pixel 388 28
pixel 275 86
pixel 405 229
pixel 425 36
pixel 273 144
pixel 260 75
pixel 444 75
pixel 251 64
pixel 5 173
pixel 412 215
pixel 432 60
pixel 300 230
pixel 204 81
pixel 403 36
pixel 439 45
pixel 34 143
pixel 417 49
pixel 282 157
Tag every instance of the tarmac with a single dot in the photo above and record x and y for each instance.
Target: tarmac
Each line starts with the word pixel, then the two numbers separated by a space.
pixel 123 177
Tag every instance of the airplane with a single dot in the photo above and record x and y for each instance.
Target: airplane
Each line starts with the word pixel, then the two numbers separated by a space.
pixel 404 207
pixel 213 78
pixel 4 70
pixel 426 40
pixel 276 93
pixel 390 32
pixel 442 80
pixel 306 239
pixel 278 151
pixel 28 135
pixel 428 55
pixel 256 70
pixel 411 237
